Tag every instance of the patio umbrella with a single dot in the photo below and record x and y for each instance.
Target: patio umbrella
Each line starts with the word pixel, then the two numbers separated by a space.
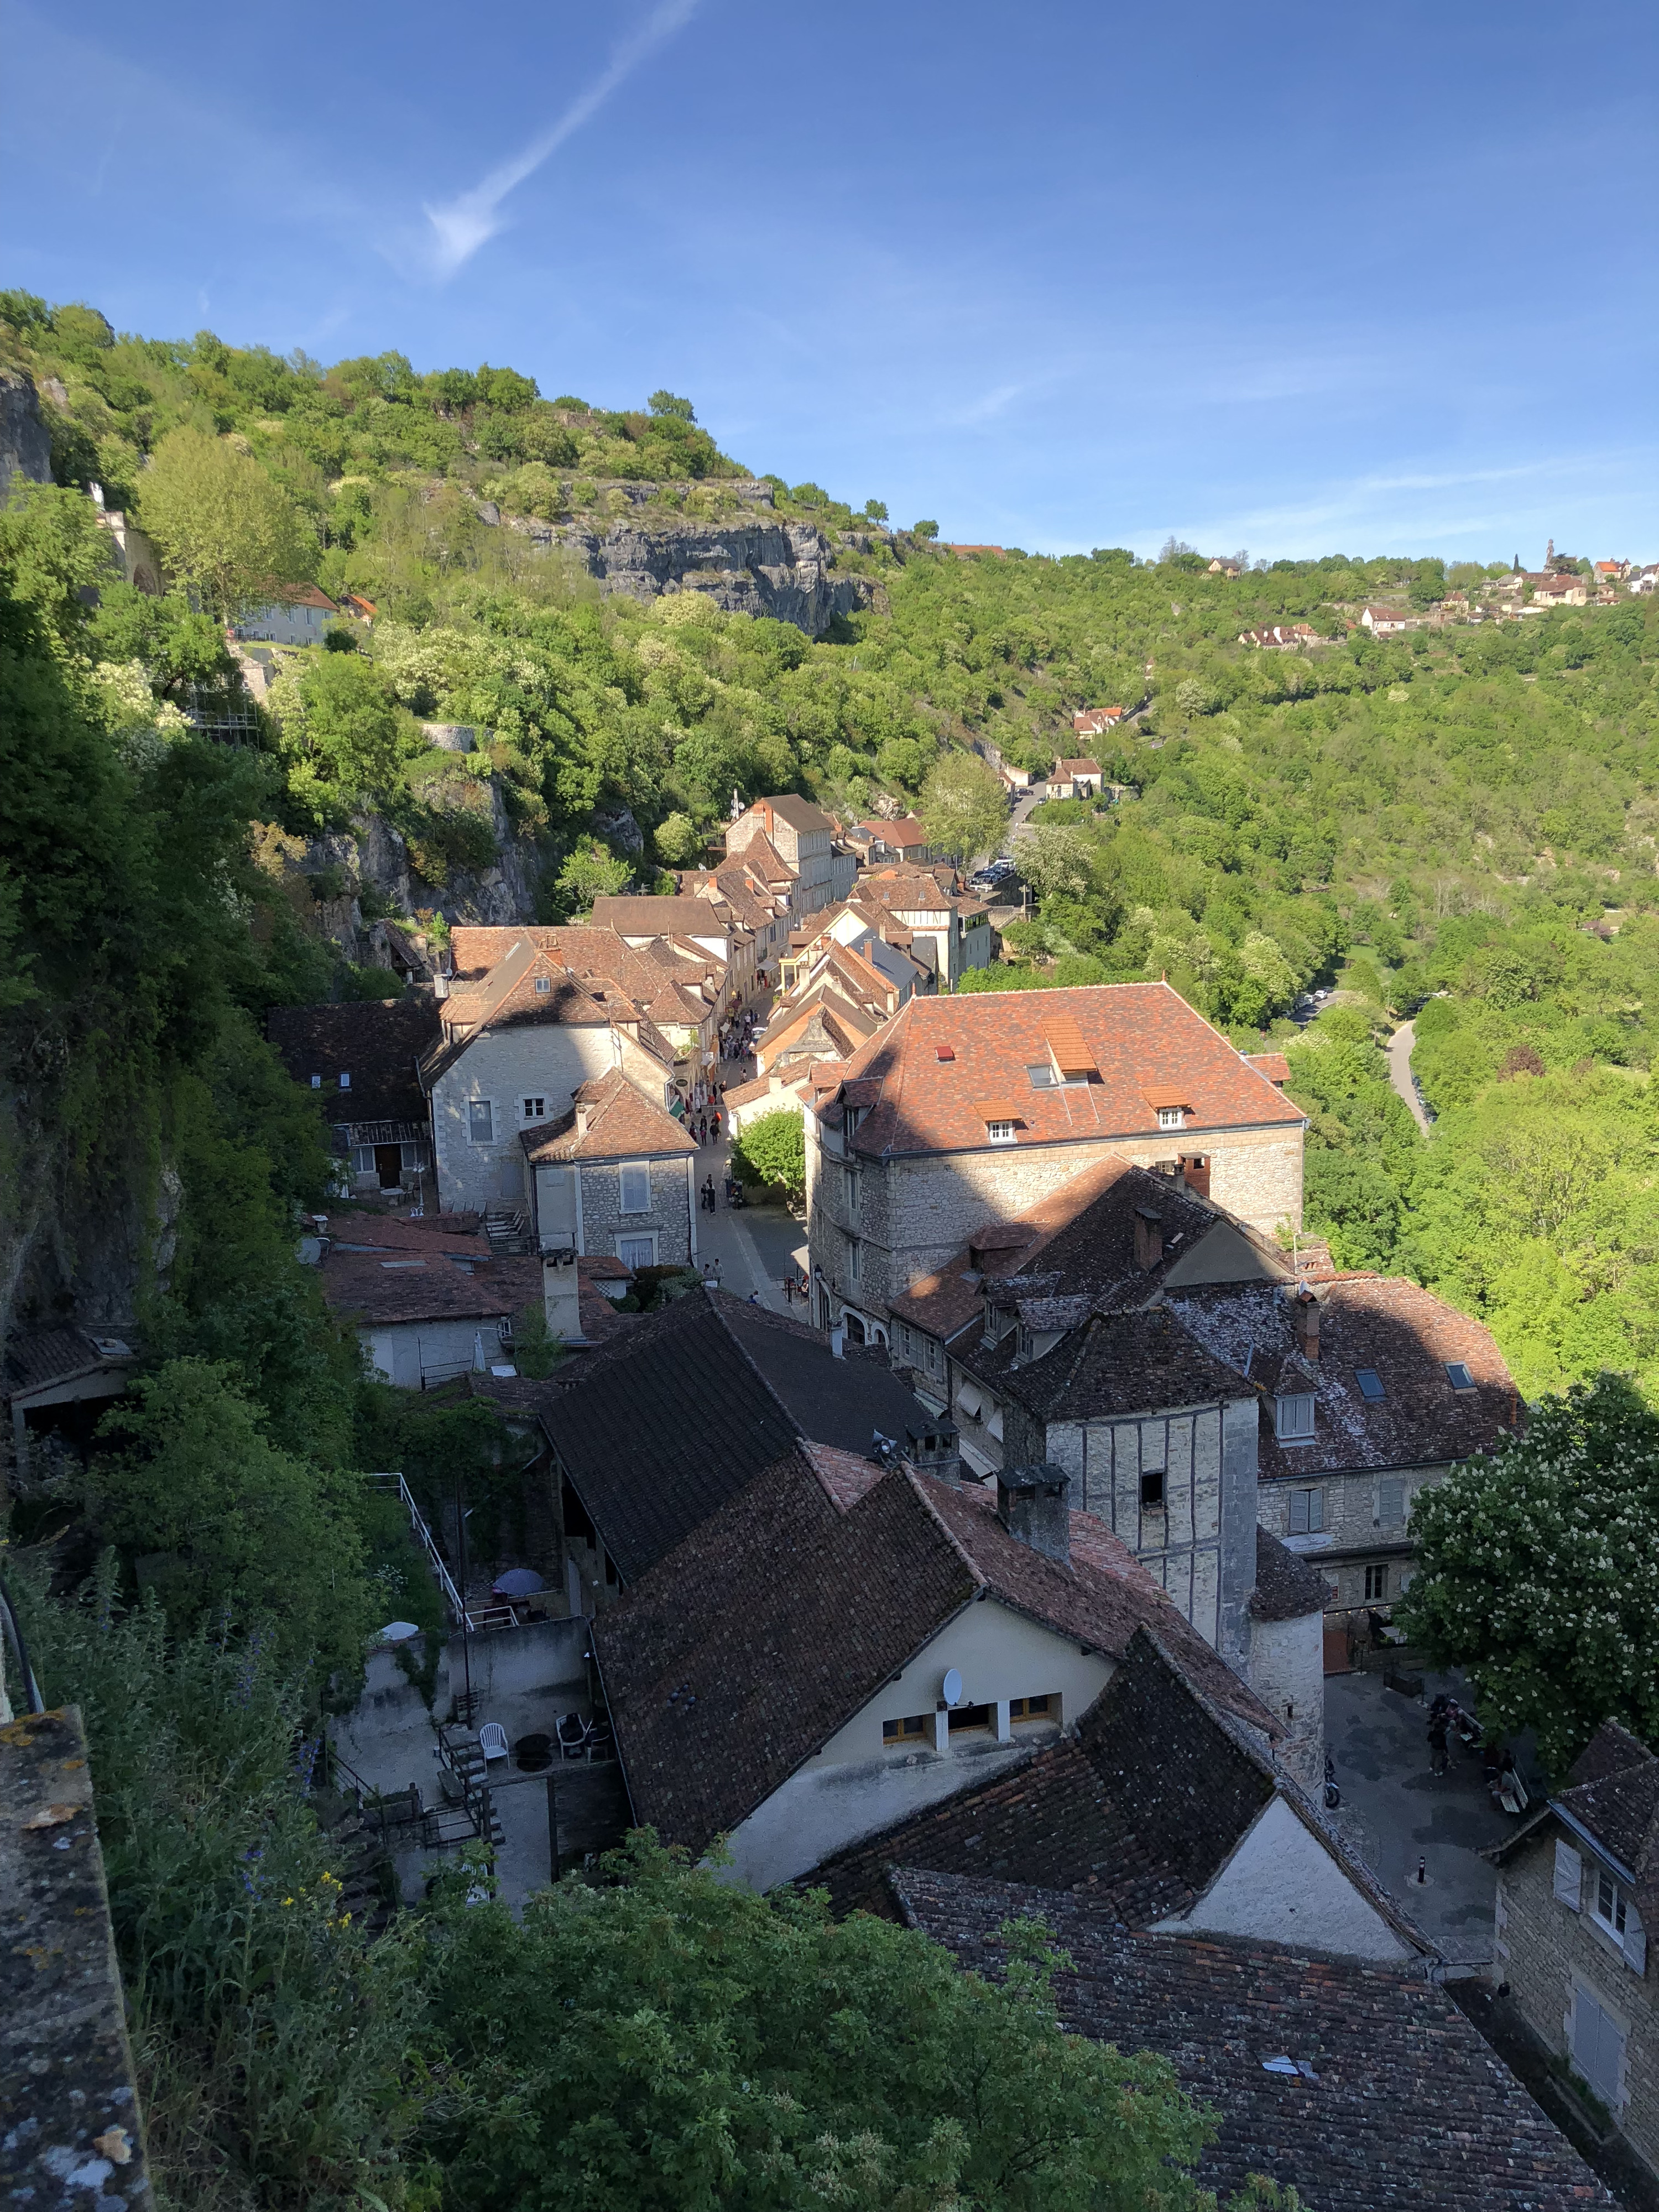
pixel 517 1581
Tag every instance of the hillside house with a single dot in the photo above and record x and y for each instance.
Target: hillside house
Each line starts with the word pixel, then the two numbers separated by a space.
pixel 1095 722
pixel 675 982
pixel 1384 622
pixel 1075 779
pixel 907 840
pixel 363 1060
pixel 1356 2081
pixel 1560 590
pixel 947 932
pixel 428 1313
pixel 297 616
pixel 513 1051
pixel 616 1175
pixel 1577 1893
pixel 964 1111
pixel 802 836
pixel 60 1382
pixel 1281 637
pixel 780 1678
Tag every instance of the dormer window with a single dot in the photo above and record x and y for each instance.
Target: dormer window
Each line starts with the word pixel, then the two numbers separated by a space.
pixel 1171 1117
pixel 1293 1417
pixel 1000 1133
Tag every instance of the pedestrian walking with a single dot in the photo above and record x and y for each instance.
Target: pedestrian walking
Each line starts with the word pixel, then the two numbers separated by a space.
pixel 702 1128
pixel 707 1195
pixel 715 1125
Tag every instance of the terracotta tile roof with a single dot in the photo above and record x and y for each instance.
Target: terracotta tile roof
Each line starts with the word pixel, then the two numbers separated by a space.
pixel 741 1652
pixel 42 1356
pixel 1139 1811
pixel 377 1044
pixel 1396 1330
pixel 1272 1064
pixel 1287 1587
pixel 662 917
pixel 1139 1033
pixel 350 1231
pixel 621 1124
pixel 1403 2106
pixel 1118 1364
pixel 1076 768
pixel 368 1289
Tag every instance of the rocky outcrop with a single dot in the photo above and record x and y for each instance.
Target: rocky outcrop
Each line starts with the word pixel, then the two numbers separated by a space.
pixel 25 446
pixel 330 873
pixel 746 566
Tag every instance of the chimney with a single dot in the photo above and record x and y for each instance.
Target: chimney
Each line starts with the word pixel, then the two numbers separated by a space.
pixel 1149 1238
pixel 560 1300
pixel 1305 1318
pixel 936 1450
pixel 1034 1505
pixel 584 1113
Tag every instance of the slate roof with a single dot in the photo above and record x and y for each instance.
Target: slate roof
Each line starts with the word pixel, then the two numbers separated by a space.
pixel 657 1431
pixel 1614 1797
pixel 1401 1332
pixel 742 1652
pixel 1139 1033
pixel 621 1125
pixel 1119 1364
pixel 1287 1587
pixel 368 1289
pixel 1404 2107
pixel 367 1232
pixel 1140 1811
pixel 378 1043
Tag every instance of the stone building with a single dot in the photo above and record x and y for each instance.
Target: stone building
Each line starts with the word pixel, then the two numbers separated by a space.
pixel 966 1110
pixel 1370 1388
pixel 364 1061
pixel 803 838
pixel 616 1176
pixel 1577 1893
pixel 513 1055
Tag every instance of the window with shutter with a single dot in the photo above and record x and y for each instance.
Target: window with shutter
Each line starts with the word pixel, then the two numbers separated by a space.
pixel 1569 1876
pixel 1598 2047
pixel 1390 1503
pixel 1307 1512
pixel 635 1196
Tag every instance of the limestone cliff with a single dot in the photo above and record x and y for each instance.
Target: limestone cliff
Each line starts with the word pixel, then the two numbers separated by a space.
pixel 25 447
pixel 747 563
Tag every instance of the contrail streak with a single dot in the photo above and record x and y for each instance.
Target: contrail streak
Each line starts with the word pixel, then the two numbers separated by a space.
pixel 462 225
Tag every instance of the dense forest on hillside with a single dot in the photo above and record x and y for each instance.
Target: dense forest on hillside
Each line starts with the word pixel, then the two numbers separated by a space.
pixel 1460 825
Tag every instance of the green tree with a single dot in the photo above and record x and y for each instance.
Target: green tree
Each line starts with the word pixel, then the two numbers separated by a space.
pixel 54 557
pixel 592 871
pixel 221 522
pixel 771 1149
pixel 1538 1563
pixel 964 806
pixel 670 403
pixel 230 1526
pixel 669 2040
pixel 678 840
pixel 1055 860
pixel 344 731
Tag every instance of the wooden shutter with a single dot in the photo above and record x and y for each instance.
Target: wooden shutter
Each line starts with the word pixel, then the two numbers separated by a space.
pixel 1569 1876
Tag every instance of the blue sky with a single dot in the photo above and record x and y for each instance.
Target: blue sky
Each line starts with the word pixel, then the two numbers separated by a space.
pixel 1293 279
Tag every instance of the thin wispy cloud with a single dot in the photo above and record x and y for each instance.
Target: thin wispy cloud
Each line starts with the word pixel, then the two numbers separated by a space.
pixel 461 225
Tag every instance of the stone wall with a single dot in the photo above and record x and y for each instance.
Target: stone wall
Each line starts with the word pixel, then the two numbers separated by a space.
pixel 669 1219
pixel 1360 1526
pixel 1546 1953
pixel 1286 1670
pixel 25 445
pixel 544 1060
pixel 917 1214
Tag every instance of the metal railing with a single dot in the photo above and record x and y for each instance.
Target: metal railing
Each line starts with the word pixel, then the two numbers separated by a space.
pixel 486 1616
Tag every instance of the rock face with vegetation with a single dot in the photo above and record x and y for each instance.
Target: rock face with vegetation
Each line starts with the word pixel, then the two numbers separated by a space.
pixel 777 568
pixel 25 447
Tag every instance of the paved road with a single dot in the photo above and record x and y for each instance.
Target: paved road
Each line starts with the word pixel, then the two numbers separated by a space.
pixel 1394 1812
pixel 1400 1072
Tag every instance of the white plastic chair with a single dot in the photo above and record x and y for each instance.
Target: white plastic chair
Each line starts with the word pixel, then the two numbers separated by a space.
pixel 492 1741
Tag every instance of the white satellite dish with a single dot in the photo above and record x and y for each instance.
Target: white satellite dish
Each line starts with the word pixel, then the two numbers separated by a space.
pixel 951 1688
